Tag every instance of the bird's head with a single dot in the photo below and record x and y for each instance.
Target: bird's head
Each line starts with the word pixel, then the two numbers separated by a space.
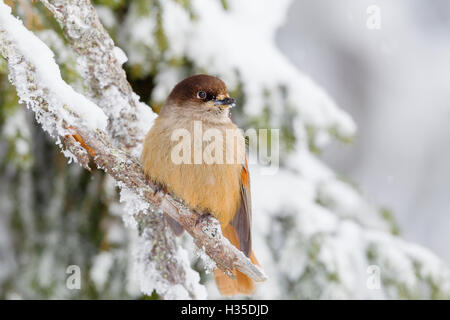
pixel 200 94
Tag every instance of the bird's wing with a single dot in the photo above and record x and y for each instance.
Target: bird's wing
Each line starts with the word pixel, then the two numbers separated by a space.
pixel 242 219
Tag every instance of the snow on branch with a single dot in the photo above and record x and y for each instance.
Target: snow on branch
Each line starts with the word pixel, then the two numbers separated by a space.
pixel 100 63
pixel 71 118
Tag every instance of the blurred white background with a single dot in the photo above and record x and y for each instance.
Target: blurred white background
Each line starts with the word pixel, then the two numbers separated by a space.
pixel 395 82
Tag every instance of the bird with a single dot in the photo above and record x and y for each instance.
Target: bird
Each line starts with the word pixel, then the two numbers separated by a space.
pixel 220 189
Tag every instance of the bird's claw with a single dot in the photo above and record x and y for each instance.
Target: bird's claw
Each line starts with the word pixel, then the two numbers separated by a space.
pixel 159 187
pixel 204 217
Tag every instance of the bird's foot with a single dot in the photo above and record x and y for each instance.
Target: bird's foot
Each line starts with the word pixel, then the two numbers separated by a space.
pixel 159 187
pixel 203 218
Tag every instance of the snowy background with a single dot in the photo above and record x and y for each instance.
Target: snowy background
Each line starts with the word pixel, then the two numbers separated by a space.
pixel 357 208
pixel 395 82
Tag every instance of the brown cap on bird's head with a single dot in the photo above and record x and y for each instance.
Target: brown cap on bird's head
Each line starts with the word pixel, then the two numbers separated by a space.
pixel 200 90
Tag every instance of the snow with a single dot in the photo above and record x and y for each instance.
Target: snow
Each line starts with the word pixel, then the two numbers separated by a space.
pixel 100 268
pixel 48 74
pixel 14 129
pixel 31 61
pixel 314 234
pixel 106 16
pixel 208 263
pixel 146 271
pixel 132 204
pixel 22 147
pixel 230 46
pixel 144 121
pixel 137 31
pixel 192 277
pixel 120 55
pixel 341 241
pixel 150 278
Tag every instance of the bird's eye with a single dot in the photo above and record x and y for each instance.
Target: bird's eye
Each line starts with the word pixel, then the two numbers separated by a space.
pixel 201 95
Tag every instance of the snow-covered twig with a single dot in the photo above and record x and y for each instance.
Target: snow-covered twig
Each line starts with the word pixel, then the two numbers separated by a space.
pixel 70 117
pixel 101 67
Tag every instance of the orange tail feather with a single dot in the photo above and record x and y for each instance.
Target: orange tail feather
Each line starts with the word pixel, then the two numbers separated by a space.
pixel 241 284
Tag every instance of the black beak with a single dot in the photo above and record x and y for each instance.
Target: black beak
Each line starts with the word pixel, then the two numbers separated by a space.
pixel 225 102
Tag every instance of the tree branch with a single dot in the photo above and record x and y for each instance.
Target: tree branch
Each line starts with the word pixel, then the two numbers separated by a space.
pixel 128 120
pixel 101 69
pixel 64 121
pixel 207 233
